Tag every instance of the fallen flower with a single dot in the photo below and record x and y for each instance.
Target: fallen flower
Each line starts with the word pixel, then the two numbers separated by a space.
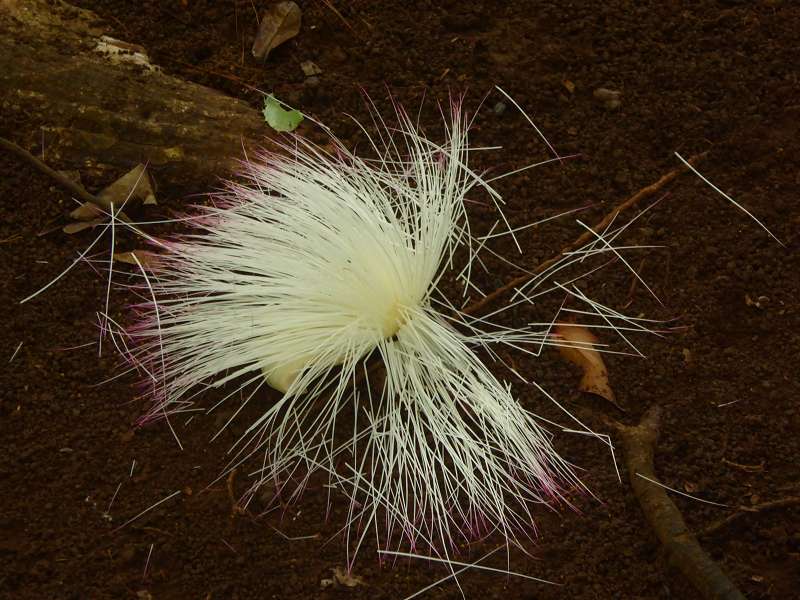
pixel 299 275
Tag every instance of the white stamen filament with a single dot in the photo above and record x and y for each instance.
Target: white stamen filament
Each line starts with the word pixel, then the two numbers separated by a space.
pixel 316 263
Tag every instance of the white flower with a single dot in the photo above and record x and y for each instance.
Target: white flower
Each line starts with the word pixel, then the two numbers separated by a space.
pixel 298 276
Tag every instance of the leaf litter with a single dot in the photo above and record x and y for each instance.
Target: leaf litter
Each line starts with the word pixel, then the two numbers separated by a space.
pixel 136 186
pixel 581 350
pixel 343 578
pixel 280 23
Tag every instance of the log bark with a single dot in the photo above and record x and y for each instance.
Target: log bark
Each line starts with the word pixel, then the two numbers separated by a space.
pixel 102 110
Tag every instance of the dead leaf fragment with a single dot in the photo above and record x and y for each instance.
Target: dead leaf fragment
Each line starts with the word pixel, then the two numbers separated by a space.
pixel 310 69
pixel 87 212
pixel 687 355
pixel 145 258
pixel 346 579
pixel 73 228
pixel 606 95
pixel 580 351
pixel 610 98
pixel 135 186
pixel 280 23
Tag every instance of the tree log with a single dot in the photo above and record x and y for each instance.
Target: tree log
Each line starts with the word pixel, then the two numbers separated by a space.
pixel 101 104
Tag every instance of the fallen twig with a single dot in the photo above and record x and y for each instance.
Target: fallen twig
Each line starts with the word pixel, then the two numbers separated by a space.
pixel 65 182
pixel 746 468
pixel 683 549
pixel 645 192
pixel 746 510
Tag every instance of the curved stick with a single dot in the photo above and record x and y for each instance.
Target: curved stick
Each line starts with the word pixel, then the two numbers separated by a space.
pixel 682 547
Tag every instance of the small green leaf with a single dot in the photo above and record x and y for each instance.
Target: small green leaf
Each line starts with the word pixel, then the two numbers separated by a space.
pixel 278 117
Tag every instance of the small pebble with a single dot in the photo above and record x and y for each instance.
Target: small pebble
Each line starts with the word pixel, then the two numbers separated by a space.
pixel 310 69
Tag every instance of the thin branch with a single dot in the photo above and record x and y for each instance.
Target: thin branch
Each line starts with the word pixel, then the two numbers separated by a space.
pixel 746 510
pixel 65 182
pixel 682 547
pixel 645 192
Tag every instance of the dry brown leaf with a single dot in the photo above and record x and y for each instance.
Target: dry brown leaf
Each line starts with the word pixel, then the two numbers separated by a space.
pixel 145 258
pixel 595 374
pixel 134 186
pixel 72 228
pixel 310 69
pixel 280 23
pixel 87 212
pixel 346 579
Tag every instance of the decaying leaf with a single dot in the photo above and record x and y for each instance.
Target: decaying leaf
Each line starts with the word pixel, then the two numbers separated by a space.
pixel 310 68
pixel 611 98
pixel 145 258
pixel 72 228
pixel 346 579
pixel 87 212
pixel 687 356
pixel 279 118
pixel 135 186
pixel 280 23
pixel 341 577
pixel 582 353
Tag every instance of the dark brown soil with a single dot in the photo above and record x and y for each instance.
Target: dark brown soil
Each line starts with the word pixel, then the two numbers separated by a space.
pixel 704 76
